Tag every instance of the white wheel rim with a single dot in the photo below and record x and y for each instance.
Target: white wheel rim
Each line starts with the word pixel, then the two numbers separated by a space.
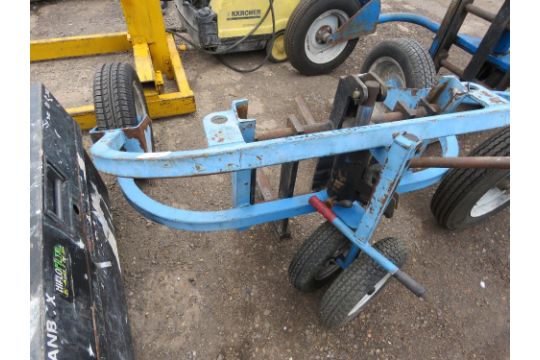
pixel 365 299
pixel 140 109
pixel 322 53
pixel 490 201
pixel 389 70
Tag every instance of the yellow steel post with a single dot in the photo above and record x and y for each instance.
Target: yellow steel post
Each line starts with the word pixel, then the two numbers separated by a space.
pixel 154 52
pixel 145 25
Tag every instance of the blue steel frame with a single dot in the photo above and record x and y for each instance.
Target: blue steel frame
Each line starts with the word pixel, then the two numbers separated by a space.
pixel 466 42
pixel 366 19
pixel 232 149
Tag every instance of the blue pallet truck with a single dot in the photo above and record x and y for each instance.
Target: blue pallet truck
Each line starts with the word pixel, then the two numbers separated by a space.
pixel 366 159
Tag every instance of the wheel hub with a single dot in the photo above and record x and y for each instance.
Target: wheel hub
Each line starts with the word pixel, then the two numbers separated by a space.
pixel 316 45
pixel 331 266
pixel 323 34
pixel 390 71
pixel 367 297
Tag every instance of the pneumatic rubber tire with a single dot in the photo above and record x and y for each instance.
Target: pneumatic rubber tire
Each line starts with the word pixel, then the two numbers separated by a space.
pixel 310 268
pixel 405 55
pixel 118 97
pixel 298 25
pixel 359 284
pixel 454 201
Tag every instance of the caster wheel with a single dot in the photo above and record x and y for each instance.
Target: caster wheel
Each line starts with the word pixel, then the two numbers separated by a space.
pixel 358 284
pixel 402 63
pixel 306 50
pixel 467 196
pixel 315 262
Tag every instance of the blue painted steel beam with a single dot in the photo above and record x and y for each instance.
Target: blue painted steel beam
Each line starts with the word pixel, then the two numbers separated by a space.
pixel 227 158
pixel 401 151
pixel 236 218
pixel 410 18
pixel 229 152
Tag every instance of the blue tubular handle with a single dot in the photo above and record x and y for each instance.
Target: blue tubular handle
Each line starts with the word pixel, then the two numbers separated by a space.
pixel 380 259
pixel 410 18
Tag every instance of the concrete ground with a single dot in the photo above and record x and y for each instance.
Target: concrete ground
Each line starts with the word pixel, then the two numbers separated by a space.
pixel 225 295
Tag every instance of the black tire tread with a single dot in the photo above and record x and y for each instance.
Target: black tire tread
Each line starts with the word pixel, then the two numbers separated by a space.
pixel 457 182
pixel 113 96
pixel 421 74
pixel 324 240
pixel 358 278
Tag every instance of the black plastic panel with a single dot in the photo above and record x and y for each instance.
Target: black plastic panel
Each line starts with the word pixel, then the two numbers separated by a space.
pixel 78 309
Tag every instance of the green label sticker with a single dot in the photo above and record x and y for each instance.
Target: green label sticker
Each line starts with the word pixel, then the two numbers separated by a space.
pixel 61 271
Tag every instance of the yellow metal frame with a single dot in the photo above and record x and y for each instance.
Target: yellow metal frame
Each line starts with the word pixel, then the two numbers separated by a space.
pixel 155 55
pixel 233 23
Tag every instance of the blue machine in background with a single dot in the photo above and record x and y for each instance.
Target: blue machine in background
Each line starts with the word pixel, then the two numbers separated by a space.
pixel 490 61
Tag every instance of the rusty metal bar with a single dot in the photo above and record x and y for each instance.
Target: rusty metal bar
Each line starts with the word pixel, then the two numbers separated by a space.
pixel 286 190
pixel 476 162
pixel 287 182
pixel 453 68
pixel 317 127
pixel 397 115
pixel 264 185
pixel 304 110
pixel 284 132
pixel 481 13
pixel 287 178
pixel 389 116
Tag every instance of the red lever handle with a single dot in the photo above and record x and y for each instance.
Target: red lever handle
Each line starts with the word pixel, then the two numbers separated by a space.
pixel 322 208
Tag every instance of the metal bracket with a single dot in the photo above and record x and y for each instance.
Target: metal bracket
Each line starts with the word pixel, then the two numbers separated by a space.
pixel 362 23
pixel 139 137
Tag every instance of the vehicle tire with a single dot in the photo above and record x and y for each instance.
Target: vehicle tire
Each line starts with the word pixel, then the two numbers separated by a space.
pixel 118 97
pixel 307 54
pixel 401 63
pixel 358 284
pixel 275 48
pixel 314 263
pixel 467 196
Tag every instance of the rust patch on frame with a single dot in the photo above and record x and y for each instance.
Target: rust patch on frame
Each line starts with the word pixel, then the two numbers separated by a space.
pixel 138 133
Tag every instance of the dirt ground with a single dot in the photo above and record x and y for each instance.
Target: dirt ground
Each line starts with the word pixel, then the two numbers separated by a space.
pixel 225 295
